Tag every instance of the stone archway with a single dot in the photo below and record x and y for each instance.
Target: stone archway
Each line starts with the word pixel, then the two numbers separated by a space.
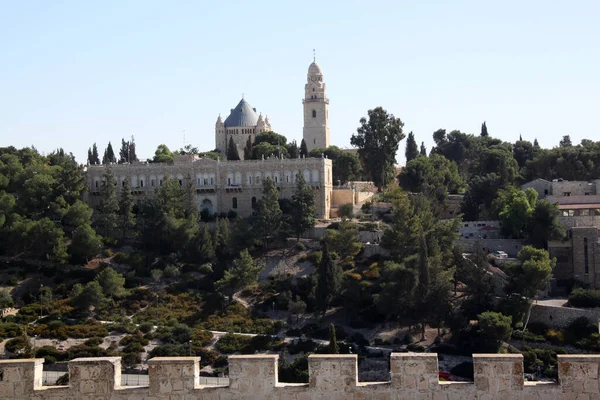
pixel 207 205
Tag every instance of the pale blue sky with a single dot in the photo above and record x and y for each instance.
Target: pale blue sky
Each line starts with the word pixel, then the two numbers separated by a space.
pixel 77 72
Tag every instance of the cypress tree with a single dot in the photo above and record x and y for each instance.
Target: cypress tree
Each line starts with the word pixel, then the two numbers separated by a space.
pixel 423 149
pixel 95 156
pixel 328 280
pixel 412 151
pixel 90 158
pixel 132 155
pixel 484 131
pixel 232 151
pixel 303 149
pixel 124 152
pixel 269 216
pixel 293 149
pixel 109 155
pixel 108 209
pixel 303 213
pixel 248 149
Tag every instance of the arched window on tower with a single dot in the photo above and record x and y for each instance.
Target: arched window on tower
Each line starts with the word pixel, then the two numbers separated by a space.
pixel 234 202
pixel 314 114
pixel 253 202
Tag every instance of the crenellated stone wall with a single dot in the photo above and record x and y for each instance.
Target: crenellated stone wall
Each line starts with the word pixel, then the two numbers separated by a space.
pixel 331 377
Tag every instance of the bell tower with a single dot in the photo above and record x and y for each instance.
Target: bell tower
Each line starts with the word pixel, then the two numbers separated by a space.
pixel 316 109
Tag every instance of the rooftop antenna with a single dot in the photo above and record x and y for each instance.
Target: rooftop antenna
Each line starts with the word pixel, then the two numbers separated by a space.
pixel 183 131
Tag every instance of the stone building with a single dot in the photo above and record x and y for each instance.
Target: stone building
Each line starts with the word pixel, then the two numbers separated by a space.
pixel 243 123
pixel 221 186
pixel 577 257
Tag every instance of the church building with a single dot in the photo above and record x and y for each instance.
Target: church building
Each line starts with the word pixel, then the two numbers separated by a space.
pixel 223 186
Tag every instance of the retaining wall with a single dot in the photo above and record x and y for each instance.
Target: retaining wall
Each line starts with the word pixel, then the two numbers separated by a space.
pixel 561 317
pixel 331 377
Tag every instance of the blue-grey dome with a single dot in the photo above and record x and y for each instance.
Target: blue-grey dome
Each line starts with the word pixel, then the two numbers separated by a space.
pixel 242 115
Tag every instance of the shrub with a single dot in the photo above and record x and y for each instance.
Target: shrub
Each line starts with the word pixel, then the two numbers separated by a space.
pixel 417 348
pixel 171 271
pixel 108 252
pixel 63 380
pixel 9 329
pixel 134 348
pixel 346 210
pixel 202 337
pixel 231 343
pixel 131 359
pixel 17 344
pixel 578 329
pixel 295 372
pixel 127 340
pixel 170 350
pixel 300 246
pixel 464 369
pixel 120 258
pixel 315 257
pixel 495 326
pixel 584 298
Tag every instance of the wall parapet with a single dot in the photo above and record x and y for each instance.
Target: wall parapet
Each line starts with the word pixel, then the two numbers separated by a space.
pixel 413 375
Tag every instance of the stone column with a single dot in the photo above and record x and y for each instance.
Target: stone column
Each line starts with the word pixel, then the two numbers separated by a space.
pixel 20 378
pixel 94 376
pixel 333 372
pixel 173 375
pixel 253 375
pixel 414 371
pixel 578 373
pixel 498 374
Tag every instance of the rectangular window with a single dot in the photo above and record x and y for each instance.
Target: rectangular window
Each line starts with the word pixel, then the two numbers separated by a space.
pixel 96 184
pixel 206 181
pixel 584 213
pixel 597 211
pixel 212 182
pixel 152 182
pixel 160 182
pixel 229 181
pixel 141 183
pixel 566 193
pixel 571 213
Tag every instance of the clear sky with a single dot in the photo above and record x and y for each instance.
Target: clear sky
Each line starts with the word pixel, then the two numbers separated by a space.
pixel 77 72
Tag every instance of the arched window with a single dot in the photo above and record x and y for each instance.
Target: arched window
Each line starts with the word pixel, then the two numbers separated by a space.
pixel 314 114
pixel 253 202
pixel 234 202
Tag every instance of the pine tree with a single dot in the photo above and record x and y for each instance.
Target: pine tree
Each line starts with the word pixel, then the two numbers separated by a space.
pixel 303 149
pixel 126 217
pixel 95 156
pixel 520 138
pixel 333 347
pixel 244 272
pixel 423 286
pixel 205 244
pixel 107 217
pixel 303 201
pixel 484 131
pixel 329 276
pixel 536 144
pixel 269 217
pixel 90 158
pixel 248 149
pixel 423 149
pixel 412 151
pixel 232 151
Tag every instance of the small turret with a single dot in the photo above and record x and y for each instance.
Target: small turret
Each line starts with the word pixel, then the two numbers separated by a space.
pixel 219 121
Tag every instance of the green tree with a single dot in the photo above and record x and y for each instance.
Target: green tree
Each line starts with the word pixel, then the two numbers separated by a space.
pixel 248 149
pixel 232 150
pixel 244 272
pixel 126 216
pixel 329 275
pixel 345 164
pixel 532 273
pixel 112 283
pixel 170 198
pixel 423 149
pixel 85 244
pixel 377 140
pixel 269 215
pixel 344 241
pixel 95 156
pixel 270 137
pixel 303 149
pixel 124 152
pixel 412 151
pixel 90 158
pixel 89 296
pixel 495 327
pixel 566 141
pixel 107 218
pixel 333 347
pixel 346 210
pixel 515 207
pixel 205 244
pixel 109 155
pixel 484 131
pixel 544 225
pixel 303 212
pixel 398 284
pixel 293 149
pixel 76 215
pixel 163 155
pixel 401 237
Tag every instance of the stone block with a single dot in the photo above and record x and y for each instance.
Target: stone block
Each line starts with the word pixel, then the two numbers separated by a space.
pixel 20 377
pixel 174 374
pixel 95 376
pixel 498 373
pixel 253 374
pixel 333 372
pixel 414 370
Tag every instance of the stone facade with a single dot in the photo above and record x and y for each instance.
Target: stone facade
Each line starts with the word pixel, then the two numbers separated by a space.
pixel 331 377
pixel 316 110
pixel 222 186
